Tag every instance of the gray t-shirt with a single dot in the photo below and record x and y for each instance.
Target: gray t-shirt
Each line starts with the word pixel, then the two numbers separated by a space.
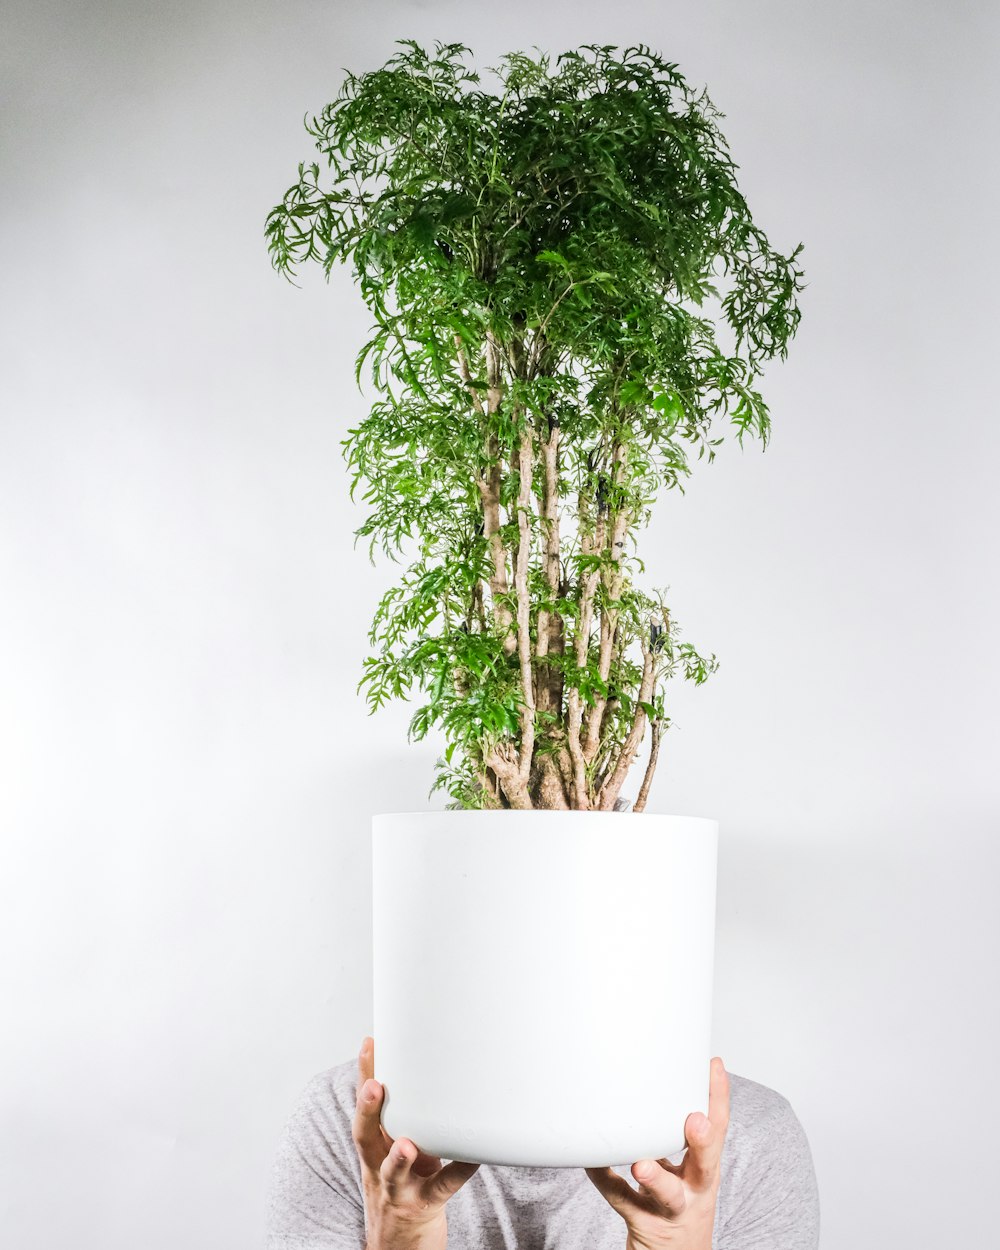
pixel 767 1199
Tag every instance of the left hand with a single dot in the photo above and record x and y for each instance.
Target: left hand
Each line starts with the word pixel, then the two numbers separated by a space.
pixel 674 1206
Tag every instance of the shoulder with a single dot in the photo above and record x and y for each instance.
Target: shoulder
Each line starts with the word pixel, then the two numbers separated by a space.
pixel 318 1130
pixel 332 1091
pixel 316 1193
pixel 762 1124
pixel 768 1182
pixel 753 1107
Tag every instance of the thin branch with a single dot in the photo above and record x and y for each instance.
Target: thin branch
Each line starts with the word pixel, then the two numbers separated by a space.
pixel 524 513
pixel 581 648
pixel 549 622
pixel 489 490
pixel 612 786
pixel 538 340
pixel 656 732
pixel 463 366
pixel 612 581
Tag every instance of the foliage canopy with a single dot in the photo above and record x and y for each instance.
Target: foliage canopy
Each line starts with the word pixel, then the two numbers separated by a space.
pixel 538 260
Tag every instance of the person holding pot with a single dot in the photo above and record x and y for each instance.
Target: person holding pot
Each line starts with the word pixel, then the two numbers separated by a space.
pixel 745 1181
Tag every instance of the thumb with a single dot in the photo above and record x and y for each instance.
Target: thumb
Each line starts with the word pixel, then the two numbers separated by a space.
pixel 444 1184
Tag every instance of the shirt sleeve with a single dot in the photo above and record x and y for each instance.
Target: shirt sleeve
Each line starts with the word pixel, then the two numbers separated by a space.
pixel 316 1200
pixel 777 1207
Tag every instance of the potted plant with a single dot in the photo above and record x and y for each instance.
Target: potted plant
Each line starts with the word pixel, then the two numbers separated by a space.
pixel 569 295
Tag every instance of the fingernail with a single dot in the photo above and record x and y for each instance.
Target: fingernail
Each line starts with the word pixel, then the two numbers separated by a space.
pixel 645 1168
pixel 371 1090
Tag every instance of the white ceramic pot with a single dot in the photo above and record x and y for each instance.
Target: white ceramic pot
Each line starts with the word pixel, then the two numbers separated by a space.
pixel 543 982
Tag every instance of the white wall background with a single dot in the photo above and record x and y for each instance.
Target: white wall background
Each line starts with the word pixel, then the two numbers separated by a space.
pixel 187 774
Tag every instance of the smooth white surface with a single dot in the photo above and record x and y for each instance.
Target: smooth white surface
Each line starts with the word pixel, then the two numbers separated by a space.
pixel 187 774
pixel 566 1020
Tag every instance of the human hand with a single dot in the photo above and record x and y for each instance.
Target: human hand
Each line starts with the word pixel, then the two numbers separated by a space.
pixel 674 1206
pixel 405 1190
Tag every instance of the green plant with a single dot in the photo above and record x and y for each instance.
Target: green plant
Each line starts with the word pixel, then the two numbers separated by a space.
pixel 538 261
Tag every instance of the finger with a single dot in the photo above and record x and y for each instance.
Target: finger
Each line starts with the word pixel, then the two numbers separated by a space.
pixel 395 1167
pixel 366 1129
pixel 701 1160
pixel 425 1164
pixel 705 1134
pixel 718 1095
pixel 449 1180
pixel 366 1071
pixel 366 1060
pixel 619 1193
pixel 665 1188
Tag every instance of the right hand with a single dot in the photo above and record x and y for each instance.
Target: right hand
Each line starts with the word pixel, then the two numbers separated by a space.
pixel 405 1190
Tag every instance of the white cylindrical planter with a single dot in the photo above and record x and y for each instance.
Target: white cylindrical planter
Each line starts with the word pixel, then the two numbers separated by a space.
pixel 543 982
